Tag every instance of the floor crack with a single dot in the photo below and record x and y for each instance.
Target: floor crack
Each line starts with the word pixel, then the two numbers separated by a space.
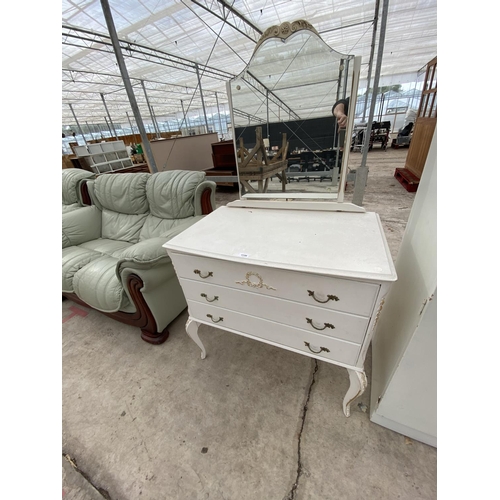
pixel 291 494
pixel 102 491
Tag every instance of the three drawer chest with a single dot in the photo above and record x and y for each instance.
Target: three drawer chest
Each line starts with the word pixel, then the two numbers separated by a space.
pixel 311 281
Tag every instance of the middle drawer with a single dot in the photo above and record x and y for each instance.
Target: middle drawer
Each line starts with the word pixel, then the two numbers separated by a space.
pixel 333 324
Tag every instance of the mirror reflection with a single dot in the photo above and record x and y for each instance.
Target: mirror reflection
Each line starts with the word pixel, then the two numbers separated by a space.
pixel 285 135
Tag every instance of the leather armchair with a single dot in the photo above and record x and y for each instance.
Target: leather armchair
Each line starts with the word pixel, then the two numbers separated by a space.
pixel 112 256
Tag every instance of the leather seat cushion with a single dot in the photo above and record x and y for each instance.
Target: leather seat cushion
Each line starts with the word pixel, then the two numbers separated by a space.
pixel 73 259
pixel 106 246
pixel 98 285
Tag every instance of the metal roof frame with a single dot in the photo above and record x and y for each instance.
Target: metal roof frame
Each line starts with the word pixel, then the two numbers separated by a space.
pixel 172 47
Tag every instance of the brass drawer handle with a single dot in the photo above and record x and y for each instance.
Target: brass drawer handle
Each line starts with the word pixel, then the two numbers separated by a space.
pixel 326 325
pixel 204 295
pixel 197 271
pixel 316 352
pixel 213 320
pixel 329 297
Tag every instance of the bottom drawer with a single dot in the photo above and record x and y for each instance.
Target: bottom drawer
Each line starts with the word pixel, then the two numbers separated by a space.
pixel 315 344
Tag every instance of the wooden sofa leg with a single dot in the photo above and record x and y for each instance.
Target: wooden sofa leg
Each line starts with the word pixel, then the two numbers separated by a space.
pixel 155 338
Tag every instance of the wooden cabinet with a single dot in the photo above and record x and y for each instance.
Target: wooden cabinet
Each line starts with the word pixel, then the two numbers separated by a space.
pixel 223 156
pixel 425 124
pixel 224 162
pixel 309 281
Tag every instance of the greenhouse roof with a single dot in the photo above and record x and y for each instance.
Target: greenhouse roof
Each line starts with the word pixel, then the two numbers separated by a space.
pixel 170 47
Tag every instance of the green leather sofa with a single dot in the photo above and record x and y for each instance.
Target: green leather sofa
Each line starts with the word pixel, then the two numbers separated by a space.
pixel 74 191
pixel 112 255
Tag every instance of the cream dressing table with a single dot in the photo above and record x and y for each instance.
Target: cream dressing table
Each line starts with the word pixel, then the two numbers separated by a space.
pixel 302 271
pixel 310 281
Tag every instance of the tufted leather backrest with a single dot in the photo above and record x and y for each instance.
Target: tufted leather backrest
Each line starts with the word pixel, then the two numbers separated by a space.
pixel 139 206
pixel 171 198
pixel 122 199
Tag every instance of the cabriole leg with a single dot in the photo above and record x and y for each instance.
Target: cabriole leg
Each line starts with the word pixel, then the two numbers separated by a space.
pixel 357 386
pixel 192 331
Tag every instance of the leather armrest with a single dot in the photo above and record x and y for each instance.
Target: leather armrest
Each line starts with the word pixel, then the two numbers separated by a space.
pixel 146 254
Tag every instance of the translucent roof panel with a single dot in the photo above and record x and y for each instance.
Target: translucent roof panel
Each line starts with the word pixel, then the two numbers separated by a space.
pixel 171 47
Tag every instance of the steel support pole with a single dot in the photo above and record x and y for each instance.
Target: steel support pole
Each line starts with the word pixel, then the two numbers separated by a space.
pixel 100 131
pixel 370 62
pixel 90 131
pixel 109 127
pixel 131 127
pixel 362 171
pixel 109 116
pixel 201 95
pixel 346 75
pixel 339 84
pixel 156 121
pixel 218 114
pixel 155 125
pixel 213 123
pixel 77 124
pixel 128 86
pixel 267 111
pixel 184 118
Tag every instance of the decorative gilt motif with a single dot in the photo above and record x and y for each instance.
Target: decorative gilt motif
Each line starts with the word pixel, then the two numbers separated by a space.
pixel 253 284
pixel 284 30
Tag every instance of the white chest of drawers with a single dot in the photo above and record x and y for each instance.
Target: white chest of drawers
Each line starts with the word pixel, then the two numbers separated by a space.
pixel 310 281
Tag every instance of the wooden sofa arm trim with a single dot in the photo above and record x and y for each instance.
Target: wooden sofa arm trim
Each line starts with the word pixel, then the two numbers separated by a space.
pixel 206 203
pixel 141 318
pixel 84 191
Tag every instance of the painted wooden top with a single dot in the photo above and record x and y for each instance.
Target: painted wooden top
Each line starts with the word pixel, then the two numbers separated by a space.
pixel 342 244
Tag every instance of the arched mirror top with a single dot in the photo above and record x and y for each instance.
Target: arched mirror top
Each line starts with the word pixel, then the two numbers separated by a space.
pixel 281 113
pixel 284 30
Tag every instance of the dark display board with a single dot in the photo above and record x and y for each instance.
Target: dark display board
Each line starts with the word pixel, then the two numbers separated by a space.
pixel 315 135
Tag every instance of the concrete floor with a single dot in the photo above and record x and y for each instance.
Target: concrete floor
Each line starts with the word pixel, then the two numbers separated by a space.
pixel 251 421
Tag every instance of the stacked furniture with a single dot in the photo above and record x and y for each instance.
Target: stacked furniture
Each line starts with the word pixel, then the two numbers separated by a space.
pixel 112 255
pixel 104 157
pixel 256 165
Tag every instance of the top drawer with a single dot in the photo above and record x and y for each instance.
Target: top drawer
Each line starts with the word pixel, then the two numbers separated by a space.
pixel 332 293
